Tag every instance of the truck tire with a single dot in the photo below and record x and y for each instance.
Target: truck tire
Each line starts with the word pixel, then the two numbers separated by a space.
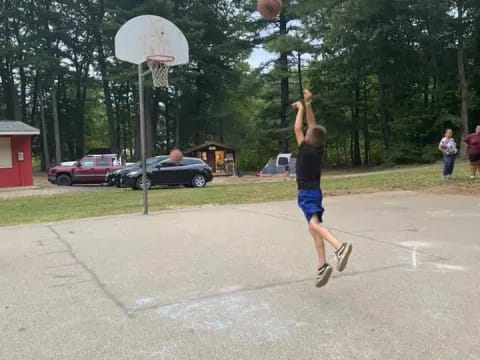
pixel 64 180
pixel 139 184
pixel 199 181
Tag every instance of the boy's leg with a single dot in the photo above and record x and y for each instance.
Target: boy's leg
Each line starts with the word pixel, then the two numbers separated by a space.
pixel 324 269
pixel 323 232
pixel 320 246
pixel 342 251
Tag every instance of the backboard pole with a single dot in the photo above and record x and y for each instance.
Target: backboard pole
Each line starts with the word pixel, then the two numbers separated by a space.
pixel 142 139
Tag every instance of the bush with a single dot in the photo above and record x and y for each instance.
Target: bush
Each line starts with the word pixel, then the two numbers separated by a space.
pixel 430 154
pixel 402 154
pixel 251 160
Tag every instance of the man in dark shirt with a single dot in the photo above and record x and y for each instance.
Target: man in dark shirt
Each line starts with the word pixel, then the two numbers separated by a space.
pixel 472 142
pixel 309 169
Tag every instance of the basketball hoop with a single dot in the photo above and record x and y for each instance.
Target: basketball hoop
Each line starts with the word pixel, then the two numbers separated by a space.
pixel 159 66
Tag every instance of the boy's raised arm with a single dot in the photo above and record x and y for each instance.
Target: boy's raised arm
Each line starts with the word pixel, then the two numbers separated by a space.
pixel 307 96
pixel 298 127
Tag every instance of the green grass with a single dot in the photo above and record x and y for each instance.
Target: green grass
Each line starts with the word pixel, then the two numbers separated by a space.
pixel 123 201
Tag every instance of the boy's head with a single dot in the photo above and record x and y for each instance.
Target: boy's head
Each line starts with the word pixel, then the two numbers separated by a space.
pixel 316 136
pixel 477 129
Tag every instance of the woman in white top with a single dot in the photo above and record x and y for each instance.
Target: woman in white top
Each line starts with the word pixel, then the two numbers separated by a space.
pixel 448 147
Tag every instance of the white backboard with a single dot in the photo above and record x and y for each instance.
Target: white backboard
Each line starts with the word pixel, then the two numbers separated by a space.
pixel 148 35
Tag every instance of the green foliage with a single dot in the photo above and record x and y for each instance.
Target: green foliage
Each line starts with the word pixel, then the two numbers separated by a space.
pixel 384 75
pixel 430 153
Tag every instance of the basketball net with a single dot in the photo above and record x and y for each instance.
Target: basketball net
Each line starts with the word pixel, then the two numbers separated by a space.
pixel 159 66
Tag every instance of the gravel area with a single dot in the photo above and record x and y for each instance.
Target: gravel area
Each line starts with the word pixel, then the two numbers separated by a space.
pixel 43 187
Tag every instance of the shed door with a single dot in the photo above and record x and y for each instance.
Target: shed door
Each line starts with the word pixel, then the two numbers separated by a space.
pixel 5 153
pixel 211 160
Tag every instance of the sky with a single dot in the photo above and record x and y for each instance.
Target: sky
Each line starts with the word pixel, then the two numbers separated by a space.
pixel 259 56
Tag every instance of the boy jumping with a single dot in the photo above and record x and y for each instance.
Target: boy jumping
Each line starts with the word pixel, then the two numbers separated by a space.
pixel 309 168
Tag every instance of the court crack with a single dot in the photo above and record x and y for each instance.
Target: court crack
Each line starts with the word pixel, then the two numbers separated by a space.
pixel 94 277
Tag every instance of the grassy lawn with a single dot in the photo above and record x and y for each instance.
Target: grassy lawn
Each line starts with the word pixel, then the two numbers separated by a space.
pixel 123 201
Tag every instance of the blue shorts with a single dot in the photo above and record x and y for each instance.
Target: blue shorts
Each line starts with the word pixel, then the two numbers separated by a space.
pixel 310 201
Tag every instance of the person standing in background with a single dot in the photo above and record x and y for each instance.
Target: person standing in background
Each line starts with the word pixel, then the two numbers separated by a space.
pixel 448 147
pixel 472 142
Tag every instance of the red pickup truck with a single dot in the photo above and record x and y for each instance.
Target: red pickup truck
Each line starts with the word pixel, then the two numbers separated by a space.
pixel 89 170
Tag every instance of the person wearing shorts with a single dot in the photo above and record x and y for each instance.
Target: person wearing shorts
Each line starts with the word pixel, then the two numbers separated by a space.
pixel 310 198
pixel 472 142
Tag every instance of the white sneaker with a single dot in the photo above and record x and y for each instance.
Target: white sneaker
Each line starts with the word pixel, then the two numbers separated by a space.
pixel 342 254
pixel 323 275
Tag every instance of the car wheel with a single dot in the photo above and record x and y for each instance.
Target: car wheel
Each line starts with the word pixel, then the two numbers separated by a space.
pixel 64 180
pixel 199 181
pixel 139 183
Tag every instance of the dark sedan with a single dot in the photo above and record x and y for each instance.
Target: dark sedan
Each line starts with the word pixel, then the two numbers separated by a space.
pixel 113 177
pixel 191 172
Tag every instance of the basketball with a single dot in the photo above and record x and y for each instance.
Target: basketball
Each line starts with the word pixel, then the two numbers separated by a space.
pixel 269 9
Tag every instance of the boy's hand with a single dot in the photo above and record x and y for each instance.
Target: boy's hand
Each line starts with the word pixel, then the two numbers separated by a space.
pixel 307 96
pixel 298 105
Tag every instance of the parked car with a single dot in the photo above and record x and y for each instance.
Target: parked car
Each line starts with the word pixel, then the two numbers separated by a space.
pixel 89 170
pixel 191 172
pixel 118 158
pixel 113 176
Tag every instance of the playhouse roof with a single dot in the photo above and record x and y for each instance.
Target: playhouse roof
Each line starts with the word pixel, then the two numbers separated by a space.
pixel 8 127
pixel 207 144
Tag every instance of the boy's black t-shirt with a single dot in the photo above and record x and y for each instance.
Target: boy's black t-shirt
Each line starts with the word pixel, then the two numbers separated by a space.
pixel 309 166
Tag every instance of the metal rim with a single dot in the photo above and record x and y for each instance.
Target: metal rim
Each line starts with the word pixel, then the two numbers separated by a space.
pixel 140 183
pixel 199 180
pixel 162 59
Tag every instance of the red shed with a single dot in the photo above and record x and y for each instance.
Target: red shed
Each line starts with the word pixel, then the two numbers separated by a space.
pixel 16 153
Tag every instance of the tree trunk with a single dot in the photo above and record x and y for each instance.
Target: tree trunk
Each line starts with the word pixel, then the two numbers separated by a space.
pixel 8 89
pixel 284 85
pixel 155 115
pixel 80 98
pixel 464 96
pixel 356 157
pixel 462 78
pixel 148 120
pixel 167 123
pixel 384 113
pixel 34 100
pixel 56 124
pixel 116 102
pixel 112 130
pixel 300 79
pixel 337 151
pixel 131 124
pixel 23 93
pixel 46 153
pixel 366 133
pixel 126 118
pixel 136 106
pixel 177 120
pixel 16 105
